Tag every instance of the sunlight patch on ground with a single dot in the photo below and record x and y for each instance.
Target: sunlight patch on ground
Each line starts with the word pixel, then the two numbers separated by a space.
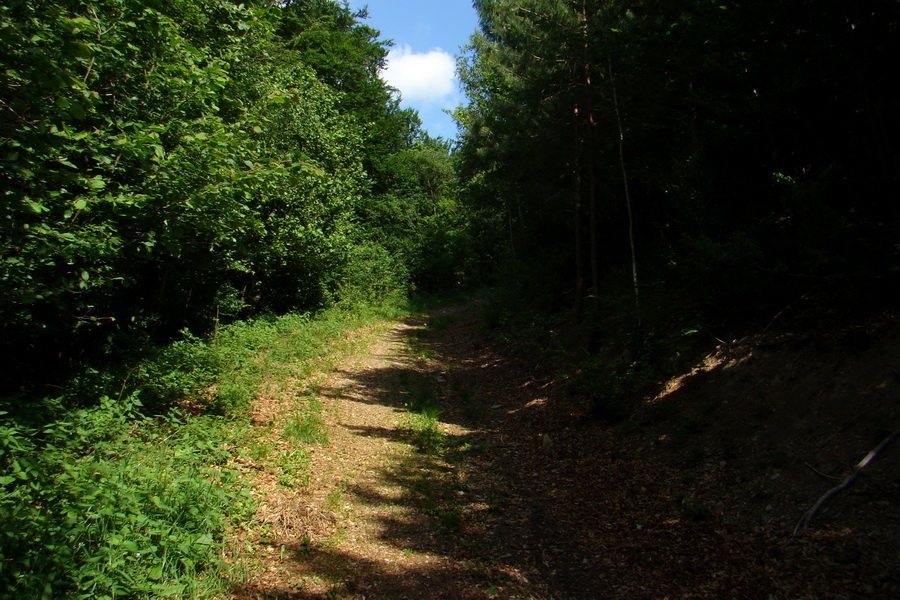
pixel 712 362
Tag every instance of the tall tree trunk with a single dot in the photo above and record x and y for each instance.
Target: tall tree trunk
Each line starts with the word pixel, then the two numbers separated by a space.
pixel 512 237
pixel 589 156
pixel 634 272
pixel 579 266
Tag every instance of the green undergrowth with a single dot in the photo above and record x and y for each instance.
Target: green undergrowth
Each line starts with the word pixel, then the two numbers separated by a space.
pixel 132 496
pixel 424 430
pixel 107 503
pixel 431 474
pixel 305 424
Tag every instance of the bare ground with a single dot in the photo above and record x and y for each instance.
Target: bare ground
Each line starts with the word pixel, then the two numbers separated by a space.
pixel 527 496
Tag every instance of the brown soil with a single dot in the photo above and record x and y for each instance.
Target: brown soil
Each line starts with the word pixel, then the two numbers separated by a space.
pixel 695 496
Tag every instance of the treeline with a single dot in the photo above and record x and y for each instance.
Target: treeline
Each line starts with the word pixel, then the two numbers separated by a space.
pixel 171 164
pixel 741 152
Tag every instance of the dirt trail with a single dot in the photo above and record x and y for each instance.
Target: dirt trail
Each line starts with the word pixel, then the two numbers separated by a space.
pixel 522 495
pixel 377 518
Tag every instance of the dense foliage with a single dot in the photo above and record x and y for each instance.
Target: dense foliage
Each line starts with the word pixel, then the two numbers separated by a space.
pixel 172 164
pixel 745 144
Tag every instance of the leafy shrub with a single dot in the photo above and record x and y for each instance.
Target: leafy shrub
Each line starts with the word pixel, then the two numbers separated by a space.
pixel 108 504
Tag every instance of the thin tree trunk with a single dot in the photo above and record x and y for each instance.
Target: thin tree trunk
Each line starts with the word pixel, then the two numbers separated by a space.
pixel 634 271
pixel 512 237
pixel 589 155
pixel 579 267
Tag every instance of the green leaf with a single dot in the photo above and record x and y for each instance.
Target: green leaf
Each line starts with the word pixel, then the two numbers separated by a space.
pixel 36 207
pixel 76 110
pixel 77 24
pixel 79 49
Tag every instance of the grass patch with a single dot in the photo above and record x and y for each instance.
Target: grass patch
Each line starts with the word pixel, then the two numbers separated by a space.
pixel 260 450
pixel 424 430
pixel 421 423
pixel 428 477
pixel 416 391
pixel 305 425
pixel 334 500
pixel 433 487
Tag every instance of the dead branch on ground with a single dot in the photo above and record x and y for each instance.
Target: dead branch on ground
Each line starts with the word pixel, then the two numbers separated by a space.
pixel 804 522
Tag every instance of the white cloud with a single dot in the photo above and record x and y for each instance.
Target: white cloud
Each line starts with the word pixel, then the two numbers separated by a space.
pixel 428 77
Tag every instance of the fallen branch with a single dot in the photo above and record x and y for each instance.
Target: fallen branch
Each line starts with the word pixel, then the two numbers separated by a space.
pixel 804 522
pixel 820 473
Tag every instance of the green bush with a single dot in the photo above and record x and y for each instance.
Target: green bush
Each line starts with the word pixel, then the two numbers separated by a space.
pixel 108 504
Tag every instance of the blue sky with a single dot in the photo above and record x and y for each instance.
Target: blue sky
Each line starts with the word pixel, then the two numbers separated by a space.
pixel 427 36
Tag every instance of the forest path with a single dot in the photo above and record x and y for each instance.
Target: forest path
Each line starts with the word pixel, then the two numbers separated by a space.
pixel 455 470
pixel 387 510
